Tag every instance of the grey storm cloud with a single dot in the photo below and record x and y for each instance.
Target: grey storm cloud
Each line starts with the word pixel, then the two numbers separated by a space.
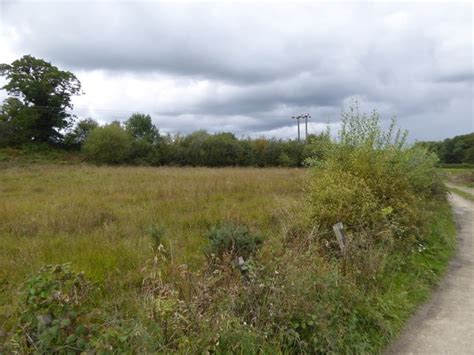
pixel 301 91
pixel 201 40
pixel 261 63
pixel 457 77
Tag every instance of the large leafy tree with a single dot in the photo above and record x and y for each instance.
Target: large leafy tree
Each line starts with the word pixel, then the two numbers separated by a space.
pixel 146 138
pixel 140 126
pixel 40 94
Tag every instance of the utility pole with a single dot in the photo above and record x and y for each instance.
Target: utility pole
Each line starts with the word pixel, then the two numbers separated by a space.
pixel 297 118
pixel 306 117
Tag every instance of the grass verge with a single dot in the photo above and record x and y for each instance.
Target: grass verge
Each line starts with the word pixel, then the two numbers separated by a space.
pixel 462 193
pixel 410 281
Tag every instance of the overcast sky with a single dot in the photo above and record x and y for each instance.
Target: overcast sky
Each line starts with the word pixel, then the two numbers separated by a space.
pixel 249 67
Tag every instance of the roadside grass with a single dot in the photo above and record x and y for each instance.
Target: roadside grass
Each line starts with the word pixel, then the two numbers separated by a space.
pixel 461 193
pixel 409 280
pixel 292 297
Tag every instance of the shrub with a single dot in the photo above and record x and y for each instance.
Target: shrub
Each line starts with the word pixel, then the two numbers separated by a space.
pixel 371 179
pixel 109 144
pixel 234 240
pixel 339 196
pixel 285 160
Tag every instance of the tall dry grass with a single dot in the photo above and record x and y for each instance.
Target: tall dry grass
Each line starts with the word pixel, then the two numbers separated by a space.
pixel 140 235
pixel 100 218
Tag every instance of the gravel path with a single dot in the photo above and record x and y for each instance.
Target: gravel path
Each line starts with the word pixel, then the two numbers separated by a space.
pixel 445 325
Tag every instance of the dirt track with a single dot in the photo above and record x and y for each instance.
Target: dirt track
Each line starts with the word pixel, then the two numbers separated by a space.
pixel 445 325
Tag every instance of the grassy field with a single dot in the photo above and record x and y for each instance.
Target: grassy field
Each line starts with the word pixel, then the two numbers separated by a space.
pixel 296 293
pixel 100 219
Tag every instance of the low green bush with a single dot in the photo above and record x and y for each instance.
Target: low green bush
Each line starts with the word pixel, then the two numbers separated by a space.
pixel 109 144
pixel 232 239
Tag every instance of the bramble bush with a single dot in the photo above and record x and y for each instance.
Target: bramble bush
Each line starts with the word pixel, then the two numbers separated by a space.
pixel 52 307
pixel 57 314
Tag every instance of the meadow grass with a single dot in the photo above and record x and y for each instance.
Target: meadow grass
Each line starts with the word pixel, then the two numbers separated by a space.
pixel 100 218
pixel 295 296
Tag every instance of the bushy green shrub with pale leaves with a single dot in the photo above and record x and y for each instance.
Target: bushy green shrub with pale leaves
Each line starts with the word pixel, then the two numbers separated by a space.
pixel 369 178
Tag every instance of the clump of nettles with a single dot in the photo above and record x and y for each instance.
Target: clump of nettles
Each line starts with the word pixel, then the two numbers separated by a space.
pixel 233 240
pixel 51 308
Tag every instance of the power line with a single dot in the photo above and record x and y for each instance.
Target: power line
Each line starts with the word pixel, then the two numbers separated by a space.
pixel 51 108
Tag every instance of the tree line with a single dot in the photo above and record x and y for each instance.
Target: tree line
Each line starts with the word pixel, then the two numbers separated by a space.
pixel 138 141
pixel 456 150
pixel 37 113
